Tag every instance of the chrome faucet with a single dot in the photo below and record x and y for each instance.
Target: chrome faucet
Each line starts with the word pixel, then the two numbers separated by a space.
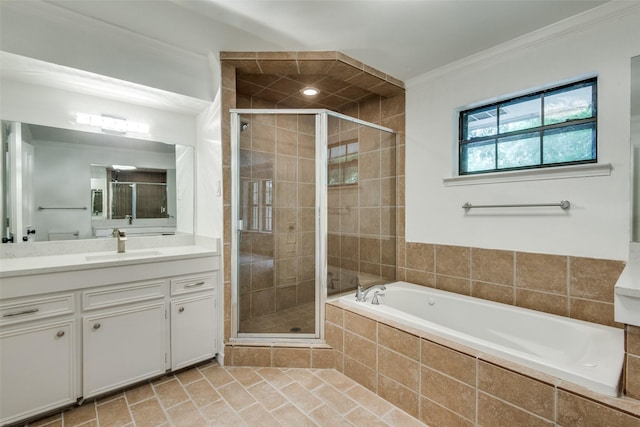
pixel 375 300
pixel 361 294
pixel 122 237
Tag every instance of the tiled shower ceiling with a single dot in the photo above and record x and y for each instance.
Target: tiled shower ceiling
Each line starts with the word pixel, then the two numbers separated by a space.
pixel 278 77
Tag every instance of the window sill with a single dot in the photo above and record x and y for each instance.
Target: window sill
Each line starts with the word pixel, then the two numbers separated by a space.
pixel 577 171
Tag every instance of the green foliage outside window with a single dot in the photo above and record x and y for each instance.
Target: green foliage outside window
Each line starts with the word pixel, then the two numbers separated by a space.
pixel 548 128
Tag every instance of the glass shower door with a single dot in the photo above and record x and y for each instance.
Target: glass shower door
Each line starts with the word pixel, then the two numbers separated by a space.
pixel 276 236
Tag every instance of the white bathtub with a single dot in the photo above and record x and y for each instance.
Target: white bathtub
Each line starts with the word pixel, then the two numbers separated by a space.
pixel 584 353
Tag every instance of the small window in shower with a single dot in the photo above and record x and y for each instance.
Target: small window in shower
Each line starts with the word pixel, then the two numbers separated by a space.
pixel 343 163
pixel 259 212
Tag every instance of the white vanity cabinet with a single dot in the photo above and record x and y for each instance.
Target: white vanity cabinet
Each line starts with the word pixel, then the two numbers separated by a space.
pixel 123 335
pixel 37 355
pixel 80 330
pixel 193 320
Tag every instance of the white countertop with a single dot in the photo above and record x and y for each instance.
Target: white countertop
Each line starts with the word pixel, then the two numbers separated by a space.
pixel 12 267
pixel 627 290
pixel 629 281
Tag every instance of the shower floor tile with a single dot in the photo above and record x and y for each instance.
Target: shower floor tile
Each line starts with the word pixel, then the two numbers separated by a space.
pixel 249 397
pixel 298 319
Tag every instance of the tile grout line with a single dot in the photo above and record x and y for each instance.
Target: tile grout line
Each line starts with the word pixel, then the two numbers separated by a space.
pixel 335 383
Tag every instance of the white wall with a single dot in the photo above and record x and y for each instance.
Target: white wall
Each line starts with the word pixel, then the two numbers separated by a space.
pixel 598 223
pixel 56 34
pixel 209 206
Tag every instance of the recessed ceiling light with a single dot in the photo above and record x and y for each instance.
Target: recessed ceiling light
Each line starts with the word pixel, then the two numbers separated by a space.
pixel 310 91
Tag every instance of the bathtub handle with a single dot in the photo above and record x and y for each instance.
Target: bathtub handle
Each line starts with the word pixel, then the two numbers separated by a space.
pixel 375 300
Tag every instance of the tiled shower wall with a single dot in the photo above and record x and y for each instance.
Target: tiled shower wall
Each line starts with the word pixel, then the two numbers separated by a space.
pixel 361 241
pixel 278 268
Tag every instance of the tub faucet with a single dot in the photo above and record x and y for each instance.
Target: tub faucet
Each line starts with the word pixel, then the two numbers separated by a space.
pixel 361 294
pixel 122 237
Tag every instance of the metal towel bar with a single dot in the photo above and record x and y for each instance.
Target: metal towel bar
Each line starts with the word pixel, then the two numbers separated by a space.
pixel 40 208
pixel 564 204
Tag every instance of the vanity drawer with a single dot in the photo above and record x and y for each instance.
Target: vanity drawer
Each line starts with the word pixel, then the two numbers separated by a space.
pixel 186 285
pixel 27 309
pixel 122 294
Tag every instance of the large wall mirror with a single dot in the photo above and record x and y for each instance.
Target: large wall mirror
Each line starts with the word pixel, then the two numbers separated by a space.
pixel 68 184
pixel 67 178
pixel 635 144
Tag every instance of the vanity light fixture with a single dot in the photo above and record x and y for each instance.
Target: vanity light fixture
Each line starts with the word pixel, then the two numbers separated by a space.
pixel 123 167
pixel 310 91
pixel 111 123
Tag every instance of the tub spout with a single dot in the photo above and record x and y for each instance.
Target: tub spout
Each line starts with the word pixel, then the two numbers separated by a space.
pixel 361 294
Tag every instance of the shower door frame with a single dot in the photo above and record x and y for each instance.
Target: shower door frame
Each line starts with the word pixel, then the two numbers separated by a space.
pixel 321 163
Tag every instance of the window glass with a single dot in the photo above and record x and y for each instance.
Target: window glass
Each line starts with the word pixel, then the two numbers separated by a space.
pixel 568 104
pixel 343 163
pixel 569 144
pixel 519 150
pixel 478 156
pixel 548 128
pixel 520 114
pixel 480 122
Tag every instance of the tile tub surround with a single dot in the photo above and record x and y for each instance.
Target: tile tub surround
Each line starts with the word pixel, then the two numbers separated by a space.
pixel 443 383
pixel 210 395
pixel 576 287
pixel 632 377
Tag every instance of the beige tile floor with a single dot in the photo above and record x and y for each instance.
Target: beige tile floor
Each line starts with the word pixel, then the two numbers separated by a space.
pixel 211 395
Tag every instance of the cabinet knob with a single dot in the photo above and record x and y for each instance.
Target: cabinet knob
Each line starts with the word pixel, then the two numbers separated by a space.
pixel 60 334
pixel 96 326
pixel 181 309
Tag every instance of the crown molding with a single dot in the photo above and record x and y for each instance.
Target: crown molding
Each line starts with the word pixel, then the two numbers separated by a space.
pixel 560 29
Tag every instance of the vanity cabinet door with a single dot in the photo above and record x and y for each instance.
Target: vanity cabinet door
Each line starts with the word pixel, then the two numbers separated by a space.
pixel 121 347
pixel 37 367
pixel 193 330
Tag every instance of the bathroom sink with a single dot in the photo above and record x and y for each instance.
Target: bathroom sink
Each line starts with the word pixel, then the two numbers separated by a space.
pixel 122 256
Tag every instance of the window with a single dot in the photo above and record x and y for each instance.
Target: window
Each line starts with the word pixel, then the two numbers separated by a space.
pixel 343 163
pixel 553 127
pixel 259 212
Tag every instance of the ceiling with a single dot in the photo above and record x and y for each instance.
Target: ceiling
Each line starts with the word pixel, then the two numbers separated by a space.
pixel 279 78
pixel 402 38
